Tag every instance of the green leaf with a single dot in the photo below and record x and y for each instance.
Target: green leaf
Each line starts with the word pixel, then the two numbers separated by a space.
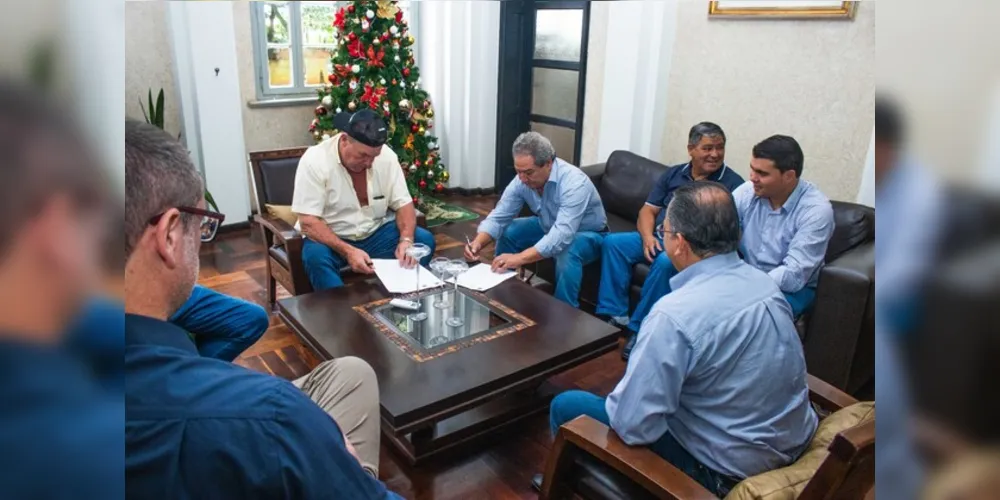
pixel 159 110
pixel 152 112
pixel 211 200
pixel 143 108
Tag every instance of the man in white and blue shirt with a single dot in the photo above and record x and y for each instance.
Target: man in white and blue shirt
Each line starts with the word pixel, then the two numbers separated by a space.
pixel 787 222
pixel 569 222
pixel 717 382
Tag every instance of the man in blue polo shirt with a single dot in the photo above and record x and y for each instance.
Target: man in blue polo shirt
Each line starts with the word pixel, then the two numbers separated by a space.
pixel 621 251
pixel 202 427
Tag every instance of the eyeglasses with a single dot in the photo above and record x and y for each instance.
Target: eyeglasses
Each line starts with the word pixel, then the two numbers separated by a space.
pixel 210 221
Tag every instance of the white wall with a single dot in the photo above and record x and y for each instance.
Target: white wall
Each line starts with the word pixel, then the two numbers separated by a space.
pixel 204 46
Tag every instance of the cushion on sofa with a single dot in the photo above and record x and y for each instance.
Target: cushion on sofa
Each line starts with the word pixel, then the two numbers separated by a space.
pixel 628 178
pixel 787 483
pixel 283 212
pixel 854 225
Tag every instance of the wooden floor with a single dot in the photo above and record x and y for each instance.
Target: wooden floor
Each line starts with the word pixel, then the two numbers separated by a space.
pixel 234 265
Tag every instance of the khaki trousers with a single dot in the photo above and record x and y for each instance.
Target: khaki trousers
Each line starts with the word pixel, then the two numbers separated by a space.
pixel 346 389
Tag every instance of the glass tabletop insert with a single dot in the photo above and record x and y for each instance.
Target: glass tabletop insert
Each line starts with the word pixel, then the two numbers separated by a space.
pixel 449 318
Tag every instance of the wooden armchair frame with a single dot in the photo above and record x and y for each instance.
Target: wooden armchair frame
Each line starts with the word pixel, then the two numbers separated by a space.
pixel 848 471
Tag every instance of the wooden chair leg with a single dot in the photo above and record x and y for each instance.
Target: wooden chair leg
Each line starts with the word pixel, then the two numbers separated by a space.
pixel 272 287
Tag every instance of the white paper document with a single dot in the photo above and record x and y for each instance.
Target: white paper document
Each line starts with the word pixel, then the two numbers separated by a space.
pixel 481 278
pixel 398 279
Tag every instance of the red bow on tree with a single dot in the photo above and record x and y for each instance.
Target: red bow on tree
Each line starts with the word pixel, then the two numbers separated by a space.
pixel 373 96
pixel 354 48
pixel 338 19
pixel 375 59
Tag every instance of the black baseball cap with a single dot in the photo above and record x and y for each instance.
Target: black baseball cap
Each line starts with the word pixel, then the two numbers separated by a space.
pixel 364 126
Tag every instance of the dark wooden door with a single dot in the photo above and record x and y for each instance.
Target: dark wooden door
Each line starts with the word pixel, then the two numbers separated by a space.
pixel 543 69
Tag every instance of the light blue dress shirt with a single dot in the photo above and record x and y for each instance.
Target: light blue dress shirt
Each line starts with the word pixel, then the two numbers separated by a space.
pixel 569 203
pixel 718 364
pixel 788 243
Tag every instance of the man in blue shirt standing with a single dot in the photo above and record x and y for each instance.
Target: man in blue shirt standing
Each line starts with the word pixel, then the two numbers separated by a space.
pixel 202 427
pixel 787 222
pixel 569 222
pixel 717 383
pixel 707 147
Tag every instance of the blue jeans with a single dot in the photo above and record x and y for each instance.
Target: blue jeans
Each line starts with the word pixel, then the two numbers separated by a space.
pixel 222 326
pixel 622 251
pixel 572 404
pixel 801 300
pixel 323 264
pixel 525 232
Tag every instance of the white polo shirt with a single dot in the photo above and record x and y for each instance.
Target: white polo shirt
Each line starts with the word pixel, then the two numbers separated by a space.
pixel 323 188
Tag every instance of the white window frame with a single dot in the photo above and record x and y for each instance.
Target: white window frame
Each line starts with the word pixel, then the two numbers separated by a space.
pixel 298 89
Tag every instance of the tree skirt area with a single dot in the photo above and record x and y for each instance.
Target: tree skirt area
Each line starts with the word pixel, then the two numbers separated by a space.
pixel 439 212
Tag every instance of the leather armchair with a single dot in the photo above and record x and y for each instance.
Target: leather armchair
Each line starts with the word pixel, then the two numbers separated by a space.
pixel 837 334
pixel 274 184
pixel 590 461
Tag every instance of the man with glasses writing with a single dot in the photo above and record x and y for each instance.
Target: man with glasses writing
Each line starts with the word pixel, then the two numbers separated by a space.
pixel 348 191
pixel 569 222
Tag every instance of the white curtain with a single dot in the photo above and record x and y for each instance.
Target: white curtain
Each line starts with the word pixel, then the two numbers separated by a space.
pixel 458 53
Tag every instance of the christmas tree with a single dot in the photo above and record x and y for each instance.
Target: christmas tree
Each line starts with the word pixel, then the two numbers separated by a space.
pixel 373 67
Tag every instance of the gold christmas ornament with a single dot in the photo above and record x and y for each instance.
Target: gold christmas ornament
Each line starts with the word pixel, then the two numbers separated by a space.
pixel 351 106
pixel 444 176
pixel 430 113
pixel 387 9
pixel 409 39
pixel 423 129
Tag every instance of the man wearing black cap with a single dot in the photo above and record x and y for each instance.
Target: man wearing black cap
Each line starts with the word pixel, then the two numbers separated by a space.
pixel 348 190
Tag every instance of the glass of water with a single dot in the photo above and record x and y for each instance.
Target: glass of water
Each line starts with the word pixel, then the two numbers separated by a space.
pixel 439 266
pixel 418 251
pixel 456 268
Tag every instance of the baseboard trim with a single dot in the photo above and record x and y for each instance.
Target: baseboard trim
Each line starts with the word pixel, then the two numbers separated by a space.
pixel 232 228
pixel 469 192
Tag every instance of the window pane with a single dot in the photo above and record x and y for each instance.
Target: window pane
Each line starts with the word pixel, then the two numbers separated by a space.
pixel 317 23
pixel 562 138
pixel 317 60
pixel 279 66
pixel 553 93
pixel 557 34
pixel 276 22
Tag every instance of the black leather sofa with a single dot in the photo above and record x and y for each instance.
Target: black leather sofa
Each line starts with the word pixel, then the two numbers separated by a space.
pixel 837 333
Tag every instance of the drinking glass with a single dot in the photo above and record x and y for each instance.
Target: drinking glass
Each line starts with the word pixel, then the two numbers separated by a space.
pixel 418 251
pixel 456 268
pixel 439 266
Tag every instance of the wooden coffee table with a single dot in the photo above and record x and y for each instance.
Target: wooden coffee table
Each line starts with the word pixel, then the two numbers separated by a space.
pixel 444 399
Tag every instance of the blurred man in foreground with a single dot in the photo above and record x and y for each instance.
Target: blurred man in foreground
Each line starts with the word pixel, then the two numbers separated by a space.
pixel 201 427
pixel 60 431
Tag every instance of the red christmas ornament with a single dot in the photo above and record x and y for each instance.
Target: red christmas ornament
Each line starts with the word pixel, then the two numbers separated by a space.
pixel 416 201
pixel 406 72
pixel 423 184
pixel 320 110
pixel 399 16
pixel 333 79
pixel 415 128
pixel 439 187
pixel 385 37
pixel 350 8
pixel 338 19
pixel 394 82
pixel 430 161
pixel 354 48
pixel 351 36
pixel 416 162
